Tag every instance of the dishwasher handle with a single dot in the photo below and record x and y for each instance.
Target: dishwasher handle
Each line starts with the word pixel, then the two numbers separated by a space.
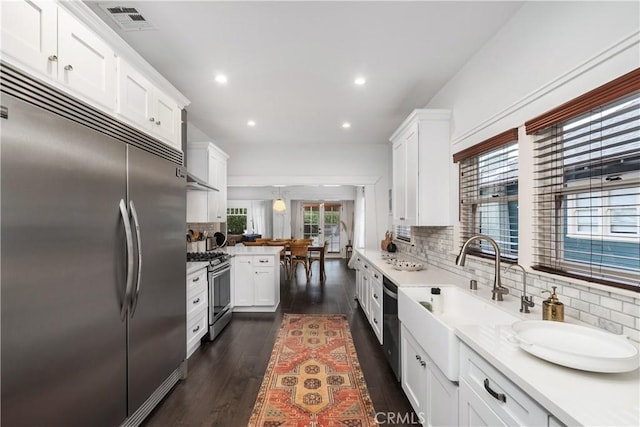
pixel 392 293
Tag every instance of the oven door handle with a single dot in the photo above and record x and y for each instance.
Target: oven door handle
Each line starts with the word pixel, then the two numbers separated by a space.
pixel 220 272
pixel 390 293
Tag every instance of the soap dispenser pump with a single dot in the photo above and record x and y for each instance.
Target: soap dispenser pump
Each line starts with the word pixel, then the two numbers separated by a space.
pixel 552 309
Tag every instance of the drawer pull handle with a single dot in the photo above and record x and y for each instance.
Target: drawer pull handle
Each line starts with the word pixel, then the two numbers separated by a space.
pixel 375 296
pixel 68 67
pixel 423 363
pixel 499 396
pixel 376 276
pixel 196 279
pixel 196 329
pixel 197 300
pixel 418 357
pixel 375 320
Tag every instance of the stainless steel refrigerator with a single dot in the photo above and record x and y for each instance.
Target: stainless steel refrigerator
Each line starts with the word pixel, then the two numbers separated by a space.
pixel 93 262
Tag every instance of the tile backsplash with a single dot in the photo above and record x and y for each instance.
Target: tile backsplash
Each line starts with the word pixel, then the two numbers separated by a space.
pixel 612 311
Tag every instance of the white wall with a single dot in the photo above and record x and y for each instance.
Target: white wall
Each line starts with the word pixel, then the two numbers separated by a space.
pixel 546 55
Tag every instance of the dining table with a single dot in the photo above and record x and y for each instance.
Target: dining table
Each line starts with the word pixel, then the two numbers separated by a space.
pixel 315 248
pixel 312 248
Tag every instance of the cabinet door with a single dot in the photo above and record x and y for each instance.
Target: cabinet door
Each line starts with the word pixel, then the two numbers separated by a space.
pixel 399 156
pixel 222 195
pixel 167 118
pixel 243 275
pixel 442 398
pixel 473 411
pixel 85 62
pixel 135 99
pixel 411 169
pixel 414 377
pixel 264 286
pixel 29 34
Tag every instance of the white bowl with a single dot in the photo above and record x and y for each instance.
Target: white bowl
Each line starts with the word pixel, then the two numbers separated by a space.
pixel 577 346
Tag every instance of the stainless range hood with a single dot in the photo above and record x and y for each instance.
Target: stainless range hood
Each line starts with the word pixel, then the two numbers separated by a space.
pixel 195 183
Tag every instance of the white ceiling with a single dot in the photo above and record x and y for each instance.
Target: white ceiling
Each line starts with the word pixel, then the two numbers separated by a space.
pixel 291 65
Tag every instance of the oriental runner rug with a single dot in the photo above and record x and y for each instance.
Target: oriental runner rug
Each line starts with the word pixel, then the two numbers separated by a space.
pixel 313 378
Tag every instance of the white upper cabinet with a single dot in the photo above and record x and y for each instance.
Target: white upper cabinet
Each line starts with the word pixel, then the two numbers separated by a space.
pixel 49 41
pixel 72 49
pixel 209 163
pixel 141 103
pixel 421 160
pixel 85 62
pixel 29 34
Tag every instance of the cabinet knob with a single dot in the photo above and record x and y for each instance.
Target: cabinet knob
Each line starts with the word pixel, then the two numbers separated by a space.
pixel 53 58
pixel 375 296
pixel 423 363
pixel 68 67
pixel 196 329
pixel 418 357
pixel 375 320
pixel 152 119
pixel 158 122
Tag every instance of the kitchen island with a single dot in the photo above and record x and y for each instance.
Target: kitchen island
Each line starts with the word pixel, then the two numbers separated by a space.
pixel 255 282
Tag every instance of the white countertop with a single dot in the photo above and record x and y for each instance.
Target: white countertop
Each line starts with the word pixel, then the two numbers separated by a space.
pixel 574 397
pixel 193 266
pixel 253 250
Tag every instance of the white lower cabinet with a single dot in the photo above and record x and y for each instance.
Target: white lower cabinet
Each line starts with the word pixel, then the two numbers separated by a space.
pixel 375 303
pixel 256 282
pixel 488 398
pixel 369 294
pixel 433 397
pixel 197 309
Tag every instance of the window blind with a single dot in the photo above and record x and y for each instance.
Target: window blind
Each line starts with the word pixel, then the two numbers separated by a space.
pixel 489 198
pixel 402 232
pixel 587 202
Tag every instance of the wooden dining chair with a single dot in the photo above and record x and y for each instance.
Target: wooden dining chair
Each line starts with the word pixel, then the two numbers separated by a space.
pixel 263 240
pixel 284 256
pixel 319 256
pixel 252 244
pixel 299 255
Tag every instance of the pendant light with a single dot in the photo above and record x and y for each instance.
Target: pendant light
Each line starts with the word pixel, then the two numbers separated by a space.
pixel 279 205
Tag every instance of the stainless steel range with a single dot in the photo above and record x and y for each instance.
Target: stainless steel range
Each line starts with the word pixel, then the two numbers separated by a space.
pixel 219 281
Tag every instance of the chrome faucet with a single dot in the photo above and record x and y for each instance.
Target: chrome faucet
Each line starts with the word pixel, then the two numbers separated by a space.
pixel 498 289
pixel 525 301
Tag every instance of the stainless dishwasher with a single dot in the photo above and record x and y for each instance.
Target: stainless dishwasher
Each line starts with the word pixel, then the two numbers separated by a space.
pixel 391 325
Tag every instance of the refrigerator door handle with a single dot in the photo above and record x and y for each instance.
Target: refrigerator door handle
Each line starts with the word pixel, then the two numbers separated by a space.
pixel 129 282
pixel 134 298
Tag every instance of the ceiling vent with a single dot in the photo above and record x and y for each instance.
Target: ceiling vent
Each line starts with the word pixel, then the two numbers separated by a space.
pixel 127 18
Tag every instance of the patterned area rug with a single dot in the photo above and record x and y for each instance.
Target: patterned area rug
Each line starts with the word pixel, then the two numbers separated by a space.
pixel 313 378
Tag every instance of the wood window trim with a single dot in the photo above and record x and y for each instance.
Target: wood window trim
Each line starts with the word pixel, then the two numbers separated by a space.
pixel 623 85
pixel 487 145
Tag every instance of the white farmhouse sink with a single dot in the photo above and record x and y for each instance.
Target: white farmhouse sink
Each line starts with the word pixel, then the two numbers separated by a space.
pixel 577 346
pixel 436 332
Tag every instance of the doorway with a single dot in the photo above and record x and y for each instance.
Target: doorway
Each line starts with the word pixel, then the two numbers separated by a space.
pixel 320 222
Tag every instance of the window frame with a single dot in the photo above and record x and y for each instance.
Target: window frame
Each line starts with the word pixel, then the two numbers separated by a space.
pixel 500 188
pixel 587 148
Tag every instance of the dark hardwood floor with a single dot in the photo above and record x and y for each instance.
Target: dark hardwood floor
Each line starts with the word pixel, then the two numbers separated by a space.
pixel 224 376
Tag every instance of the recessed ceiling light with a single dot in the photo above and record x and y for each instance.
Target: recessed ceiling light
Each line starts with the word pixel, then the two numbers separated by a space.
pixel 346 125
pixel 360 81
pixel 221 78
pixel 251 123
